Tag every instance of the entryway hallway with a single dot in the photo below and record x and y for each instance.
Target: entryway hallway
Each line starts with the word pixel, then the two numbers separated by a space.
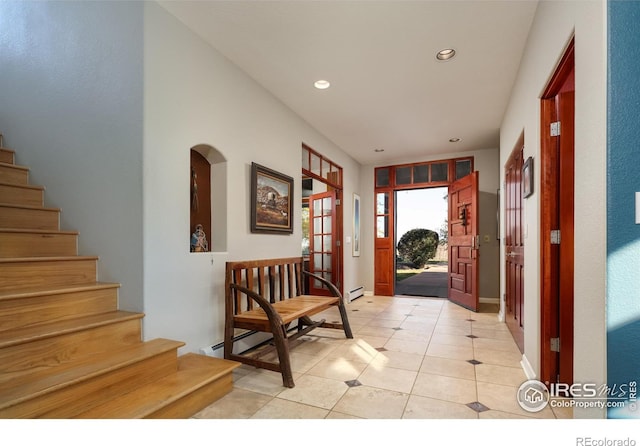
pixel 420 358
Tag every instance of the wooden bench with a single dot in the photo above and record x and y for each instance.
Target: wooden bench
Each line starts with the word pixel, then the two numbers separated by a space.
pixel 268 296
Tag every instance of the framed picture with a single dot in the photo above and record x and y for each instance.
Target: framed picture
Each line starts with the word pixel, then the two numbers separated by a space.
pixel 498 215
pixel 356 226
pixel 271 201
pixel 527 178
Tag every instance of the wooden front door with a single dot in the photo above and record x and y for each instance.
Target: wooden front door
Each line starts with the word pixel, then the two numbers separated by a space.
pixel 323 241
pixel 514 244
pixel 557 222
pixel 463 242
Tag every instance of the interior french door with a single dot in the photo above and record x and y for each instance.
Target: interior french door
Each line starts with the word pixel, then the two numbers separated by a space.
pixel 323 241
pixel 464 242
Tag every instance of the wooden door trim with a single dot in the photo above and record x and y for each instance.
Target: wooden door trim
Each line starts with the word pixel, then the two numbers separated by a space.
pixel 550 217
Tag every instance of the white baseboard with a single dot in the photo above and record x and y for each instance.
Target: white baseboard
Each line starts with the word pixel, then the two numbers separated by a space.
pixel 528 370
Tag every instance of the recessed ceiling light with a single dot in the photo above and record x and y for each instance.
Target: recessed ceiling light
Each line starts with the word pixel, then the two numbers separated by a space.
pixel 322 84
pixel 454 140
pixel 378 150
pixel 446 54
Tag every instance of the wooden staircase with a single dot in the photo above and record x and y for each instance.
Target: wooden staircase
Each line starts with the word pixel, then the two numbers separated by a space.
pixel 66 351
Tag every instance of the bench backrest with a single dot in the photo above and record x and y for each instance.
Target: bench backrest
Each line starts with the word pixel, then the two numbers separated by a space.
pixel 273 279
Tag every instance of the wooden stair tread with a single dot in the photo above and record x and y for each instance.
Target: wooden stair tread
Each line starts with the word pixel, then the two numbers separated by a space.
pixel 38 231
pixel 26 206
pixel 35 384
pixel 18 336
pixel 45 259
pixel 194 371
pixel 23 186
pixel 42 291
pixel 14 166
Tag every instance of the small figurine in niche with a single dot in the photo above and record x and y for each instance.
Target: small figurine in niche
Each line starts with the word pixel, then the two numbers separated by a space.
pixel 199 240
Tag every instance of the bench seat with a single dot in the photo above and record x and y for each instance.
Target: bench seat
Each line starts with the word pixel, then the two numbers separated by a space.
pixel 289 310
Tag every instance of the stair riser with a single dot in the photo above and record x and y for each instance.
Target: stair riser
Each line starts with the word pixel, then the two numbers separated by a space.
pixel 14 175
pixel 26 312
pixel 66 350
pixel 24 218
pixel 21 195
pixel 194 402
pixel 7 156
pixel 27 275
pixel 76 398
pixel 14 244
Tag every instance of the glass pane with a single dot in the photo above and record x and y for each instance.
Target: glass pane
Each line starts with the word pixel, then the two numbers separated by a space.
pixel 326 222
pixel 382 226
pixel 440 172
pixel 382 203
pixel 326 262
pixel 326 247
pixel 382 177
pixel 305 231
pixel 317 207
pixel 403 175
pixel 305 159
pixel 326 206
pixel 317 262
pixel 463 168
pixel 317 243
pixel 326 168
pixel 315 164
pixel 421 174
pixel 317 226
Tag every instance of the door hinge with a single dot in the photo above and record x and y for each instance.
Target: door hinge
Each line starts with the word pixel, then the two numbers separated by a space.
pixel 338 202
pixel 555 128
pixel 555 344
pixel 555 236
pixel 338 243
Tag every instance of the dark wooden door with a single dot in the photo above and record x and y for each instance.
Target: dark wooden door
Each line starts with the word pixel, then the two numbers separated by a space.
pixel 323 241
pixel 463 242
pixel 514 245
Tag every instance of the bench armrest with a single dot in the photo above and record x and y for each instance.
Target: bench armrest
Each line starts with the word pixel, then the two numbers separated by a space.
pixel 332 287
pixel 272 314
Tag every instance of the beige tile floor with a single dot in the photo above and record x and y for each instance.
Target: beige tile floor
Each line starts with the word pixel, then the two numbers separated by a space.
pixel 409 359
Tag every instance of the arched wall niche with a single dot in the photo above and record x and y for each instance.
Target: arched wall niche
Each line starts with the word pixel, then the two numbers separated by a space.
pixel 208 199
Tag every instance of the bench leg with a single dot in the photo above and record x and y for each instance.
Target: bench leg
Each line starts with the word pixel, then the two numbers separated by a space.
pixel 345 320
pixel 282 347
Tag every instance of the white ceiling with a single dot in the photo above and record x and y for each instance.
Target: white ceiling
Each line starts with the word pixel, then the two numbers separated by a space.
pixel 388 91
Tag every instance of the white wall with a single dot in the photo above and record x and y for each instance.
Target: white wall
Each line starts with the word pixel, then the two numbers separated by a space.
pixel 485 162
pixel 551 31
pixel 193 95
pixel 71 95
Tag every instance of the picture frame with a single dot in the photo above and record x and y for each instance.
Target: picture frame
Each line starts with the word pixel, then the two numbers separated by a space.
pixel 271 201
pixel 355 245
pixel 527 178
pixel 498 214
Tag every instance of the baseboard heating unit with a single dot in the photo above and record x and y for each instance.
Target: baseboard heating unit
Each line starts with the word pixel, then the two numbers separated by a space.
pixel 355 293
